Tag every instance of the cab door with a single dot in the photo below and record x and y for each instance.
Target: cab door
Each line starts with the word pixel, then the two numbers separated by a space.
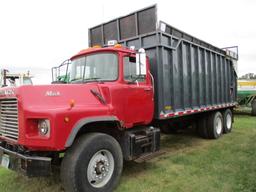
pixel 139 102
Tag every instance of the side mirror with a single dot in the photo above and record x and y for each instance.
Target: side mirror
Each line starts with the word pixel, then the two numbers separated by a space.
pixel 141 67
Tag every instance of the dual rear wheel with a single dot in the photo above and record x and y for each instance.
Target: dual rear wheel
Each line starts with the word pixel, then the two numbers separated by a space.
pixel 213 125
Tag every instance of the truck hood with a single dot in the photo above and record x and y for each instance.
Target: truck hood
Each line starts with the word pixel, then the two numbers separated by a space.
pixel 52 96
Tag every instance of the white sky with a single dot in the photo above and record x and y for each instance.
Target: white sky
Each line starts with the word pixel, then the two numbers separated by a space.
pixel 37 35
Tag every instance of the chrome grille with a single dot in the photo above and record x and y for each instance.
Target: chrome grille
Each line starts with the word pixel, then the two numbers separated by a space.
pixel 9 118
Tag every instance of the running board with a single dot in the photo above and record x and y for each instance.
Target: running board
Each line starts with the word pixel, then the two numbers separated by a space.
pixel 149 156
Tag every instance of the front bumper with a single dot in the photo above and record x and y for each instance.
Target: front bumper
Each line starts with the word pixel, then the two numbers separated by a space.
pixel 31 166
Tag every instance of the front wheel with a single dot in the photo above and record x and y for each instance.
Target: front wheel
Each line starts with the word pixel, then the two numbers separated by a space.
pixel 93 164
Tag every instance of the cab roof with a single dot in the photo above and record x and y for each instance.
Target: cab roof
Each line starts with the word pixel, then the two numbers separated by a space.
pixel 102 49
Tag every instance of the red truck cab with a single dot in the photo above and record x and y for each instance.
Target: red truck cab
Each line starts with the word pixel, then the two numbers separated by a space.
pixel 127 96
pixel 107 94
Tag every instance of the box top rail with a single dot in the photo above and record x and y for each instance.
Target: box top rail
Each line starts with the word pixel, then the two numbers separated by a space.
pixel 142 22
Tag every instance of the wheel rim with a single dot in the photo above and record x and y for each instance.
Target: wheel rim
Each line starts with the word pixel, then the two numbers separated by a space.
pixel 100 168
pixel 228 121
pixel 218 125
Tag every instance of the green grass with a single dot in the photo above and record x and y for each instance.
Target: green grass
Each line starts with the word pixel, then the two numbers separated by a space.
pixel 188 164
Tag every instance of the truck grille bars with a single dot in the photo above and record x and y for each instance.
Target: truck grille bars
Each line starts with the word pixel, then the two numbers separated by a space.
pixel 9 118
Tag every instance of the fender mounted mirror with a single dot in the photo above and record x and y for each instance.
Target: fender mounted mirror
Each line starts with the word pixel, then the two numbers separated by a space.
pixel 141 67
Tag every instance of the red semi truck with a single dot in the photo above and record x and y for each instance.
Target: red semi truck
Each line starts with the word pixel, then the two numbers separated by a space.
pixel 116 100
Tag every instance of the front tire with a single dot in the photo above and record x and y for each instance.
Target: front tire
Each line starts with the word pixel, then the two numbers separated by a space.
pixel 93 164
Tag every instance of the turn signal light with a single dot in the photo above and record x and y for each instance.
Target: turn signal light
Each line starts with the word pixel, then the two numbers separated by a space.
pixel 66 119
pixel 118 46
pixel 72 103
pixel 96 46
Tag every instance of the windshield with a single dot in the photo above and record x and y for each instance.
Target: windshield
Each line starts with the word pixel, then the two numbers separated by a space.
pixel 96 67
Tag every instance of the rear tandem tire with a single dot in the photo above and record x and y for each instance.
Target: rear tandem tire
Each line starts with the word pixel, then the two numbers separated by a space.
pixel 202 127
pixel 215 125
pixel 227 121
pixel 93 164
pixel 168 128
pixel 254 107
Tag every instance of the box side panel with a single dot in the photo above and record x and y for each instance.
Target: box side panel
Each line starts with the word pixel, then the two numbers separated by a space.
pixel 194 76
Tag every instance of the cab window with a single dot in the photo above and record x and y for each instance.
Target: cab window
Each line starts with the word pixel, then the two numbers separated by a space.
pixel 130 70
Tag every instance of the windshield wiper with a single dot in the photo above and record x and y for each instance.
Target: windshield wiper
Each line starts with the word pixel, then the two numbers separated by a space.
pixel 80 80
pixel 98 79
pixel 76 80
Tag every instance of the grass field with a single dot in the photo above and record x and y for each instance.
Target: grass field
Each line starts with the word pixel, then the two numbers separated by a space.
pixel 189 164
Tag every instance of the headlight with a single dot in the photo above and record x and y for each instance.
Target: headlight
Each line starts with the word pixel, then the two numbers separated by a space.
pixel 44 127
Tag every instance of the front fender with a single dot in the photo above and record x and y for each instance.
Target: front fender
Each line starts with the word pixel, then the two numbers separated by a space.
pixel 81 123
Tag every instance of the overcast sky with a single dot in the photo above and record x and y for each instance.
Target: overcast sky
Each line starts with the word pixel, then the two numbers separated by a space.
pixel 37 35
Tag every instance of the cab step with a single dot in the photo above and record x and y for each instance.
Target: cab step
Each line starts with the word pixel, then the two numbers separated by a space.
pixel 149 156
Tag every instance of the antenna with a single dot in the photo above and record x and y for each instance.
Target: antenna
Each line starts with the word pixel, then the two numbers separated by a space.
pixel 103 12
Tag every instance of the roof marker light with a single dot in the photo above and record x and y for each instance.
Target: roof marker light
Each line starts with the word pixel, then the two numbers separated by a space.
pixel 118 46
pixel 112 42
pixel 96 46
pixel 132 48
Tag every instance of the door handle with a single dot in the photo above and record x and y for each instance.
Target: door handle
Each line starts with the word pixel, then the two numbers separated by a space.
pixel 147 89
